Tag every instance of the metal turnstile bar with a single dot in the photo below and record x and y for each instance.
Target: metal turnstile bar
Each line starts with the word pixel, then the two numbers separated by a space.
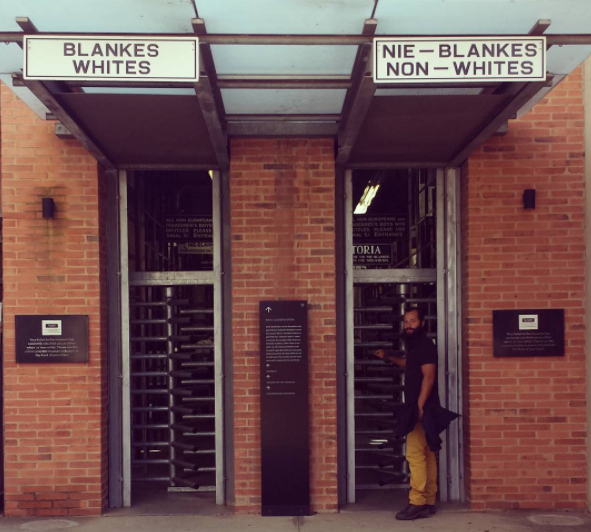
pixel 173 397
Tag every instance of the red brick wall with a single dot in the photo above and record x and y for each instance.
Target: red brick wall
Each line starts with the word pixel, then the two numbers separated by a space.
pixel 526 416
pixel 283 247
pixel 54 414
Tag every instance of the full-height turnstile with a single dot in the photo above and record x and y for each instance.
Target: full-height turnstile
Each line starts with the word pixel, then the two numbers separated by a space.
pixel 378 386
pixel 172 376
pixel 173 386
pixel 423 275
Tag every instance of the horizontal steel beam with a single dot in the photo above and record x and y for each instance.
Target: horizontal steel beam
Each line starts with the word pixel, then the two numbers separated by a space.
pixel 283 118
pixel 164 167
pixel 306 40
pixel 279 82
pixel 282 129
pixel 231 82
pixel 395 164
pixel 170 278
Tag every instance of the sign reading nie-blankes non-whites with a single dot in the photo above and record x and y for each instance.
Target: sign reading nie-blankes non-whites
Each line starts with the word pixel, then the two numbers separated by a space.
pixel 459 59
pixel 133 58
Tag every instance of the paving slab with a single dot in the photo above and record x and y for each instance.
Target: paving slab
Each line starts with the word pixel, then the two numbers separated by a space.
pixel 450 519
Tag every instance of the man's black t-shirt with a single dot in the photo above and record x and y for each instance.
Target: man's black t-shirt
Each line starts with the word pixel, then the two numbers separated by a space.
pixel 421 351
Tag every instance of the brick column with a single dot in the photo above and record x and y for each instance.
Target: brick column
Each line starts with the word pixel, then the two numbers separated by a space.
pixel 283 247
pixel 525 419
pixel 55 450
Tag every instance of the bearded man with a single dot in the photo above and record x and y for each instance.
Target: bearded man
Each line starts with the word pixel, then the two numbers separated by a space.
pixel 420 396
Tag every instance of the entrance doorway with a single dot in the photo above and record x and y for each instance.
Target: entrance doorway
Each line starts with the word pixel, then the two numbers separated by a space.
pixel 172 400
pixel 398 251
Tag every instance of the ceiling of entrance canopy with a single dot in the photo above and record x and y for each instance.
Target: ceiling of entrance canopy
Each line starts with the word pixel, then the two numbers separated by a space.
pixel 235 63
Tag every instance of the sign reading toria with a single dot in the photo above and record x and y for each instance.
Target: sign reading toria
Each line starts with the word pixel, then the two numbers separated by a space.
pixel 440 60
pixel 61 57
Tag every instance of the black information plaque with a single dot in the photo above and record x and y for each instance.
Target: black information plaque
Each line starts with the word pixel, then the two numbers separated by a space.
pixel 528 333
pixel 51 339
pixel 285 462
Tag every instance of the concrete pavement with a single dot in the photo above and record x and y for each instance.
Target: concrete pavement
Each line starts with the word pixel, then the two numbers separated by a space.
pixel 452 519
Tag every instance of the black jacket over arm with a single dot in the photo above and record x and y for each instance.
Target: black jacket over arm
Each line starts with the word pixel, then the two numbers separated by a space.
pixel 435 420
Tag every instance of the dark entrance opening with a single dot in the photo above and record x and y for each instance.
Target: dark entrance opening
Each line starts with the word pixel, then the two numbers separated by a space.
pixel 174 369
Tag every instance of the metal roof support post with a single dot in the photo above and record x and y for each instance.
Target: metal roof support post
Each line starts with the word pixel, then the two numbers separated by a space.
pixel 358 98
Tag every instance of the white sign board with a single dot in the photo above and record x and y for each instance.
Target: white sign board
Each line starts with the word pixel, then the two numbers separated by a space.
pixel 60 57
pixel 459 59
pixel 528 322
pixel 51 327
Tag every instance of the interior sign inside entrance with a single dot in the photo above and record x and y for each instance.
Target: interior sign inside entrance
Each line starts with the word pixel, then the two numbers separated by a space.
pixel 440 60
pixel 61 57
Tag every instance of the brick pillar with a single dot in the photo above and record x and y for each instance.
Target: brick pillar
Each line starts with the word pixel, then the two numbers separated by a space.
pixel 55 450
pixel 525 419
pixel 283 247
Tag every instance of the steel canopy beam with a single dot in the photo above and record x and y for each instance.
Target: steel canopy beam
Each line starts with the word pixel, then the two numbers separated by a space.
pixel 282 129
pixel 217 133
pixel 210 99
pixel 48 99
pixel 285 83
pixel 528 91
pixel 304 40
pixel 283 118
pixel 540 27
pixel 358 98
pixel 232 82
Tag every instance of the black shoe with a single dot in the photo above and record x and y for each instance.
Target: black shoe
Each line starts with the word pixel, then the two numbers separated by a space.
pixel 432 509
pixel 413 512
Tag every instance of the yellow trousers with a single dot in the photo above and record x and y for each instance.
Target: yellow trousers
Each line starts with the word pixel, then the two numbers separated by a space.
pixel 423 468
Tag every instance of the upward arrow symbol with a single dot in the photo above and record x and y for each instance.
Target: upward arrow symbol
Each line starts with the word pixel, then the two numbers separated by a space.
pixel 268 309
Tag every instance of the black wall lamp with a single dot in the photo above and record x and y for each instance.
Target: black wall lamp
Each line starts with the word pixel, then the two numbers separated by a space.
pixel 529 198
pixel 48 208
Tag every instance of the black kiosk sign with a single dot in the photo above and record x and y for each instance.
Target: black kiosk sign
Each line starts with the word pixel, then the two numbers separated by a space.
pixel 528 333
pixel 284 408
pixel 51 339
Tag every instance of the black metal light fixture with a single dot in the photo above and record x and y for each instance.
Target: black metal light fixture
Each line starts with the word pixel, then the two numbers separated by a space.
pixel 48 208
pixel 529 198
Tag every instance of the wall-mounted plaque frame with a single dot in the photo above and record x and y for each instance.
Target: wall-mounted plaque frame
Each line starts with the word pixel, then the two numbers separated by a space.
pixel 51 339
pixel 528 333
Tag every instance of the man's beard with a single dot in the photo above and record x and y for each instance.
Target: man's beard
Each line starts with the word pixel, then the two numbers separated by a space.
pixel 414 336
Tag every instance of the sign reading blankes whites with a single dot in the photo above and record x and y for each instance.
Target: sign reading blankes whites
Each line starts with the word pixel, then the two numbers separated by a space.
pixel 133 58
pixel 528 333
pixel 50 339
pixel 459 59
